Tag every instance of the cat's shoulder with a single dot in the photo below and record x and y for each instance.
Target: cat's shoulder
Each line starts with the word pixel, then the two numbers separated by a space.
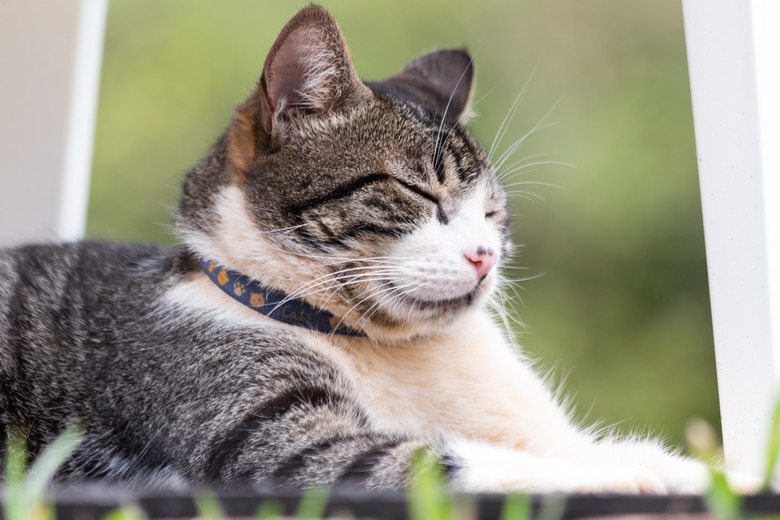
pixel 84 270
pixel 88 252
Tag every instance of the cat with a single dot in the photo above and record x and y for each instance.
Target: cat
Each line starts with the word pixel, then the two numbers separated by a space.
pixel 325 320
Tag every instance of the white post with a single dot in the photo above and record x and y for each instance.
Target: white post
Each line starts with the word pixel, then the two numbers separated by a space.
pixel 734 61
pixel 50 58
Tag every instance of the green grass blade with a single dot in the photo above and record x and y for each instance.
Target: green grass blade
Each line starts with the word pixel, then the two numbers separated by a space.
pixel 15 459
pixel 773 450
pixel 516 507
pixel 721 500
pixel 125 513
pixel 24 493
pixel 47 462
pixel 14 504
pixel 269 510
pixel 208 506
pixel 428 498
pixel 312 504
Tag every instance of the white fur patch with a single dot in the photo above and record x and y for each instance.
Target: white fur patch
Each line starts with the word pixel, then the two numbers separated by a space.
pixel 491 469
pixel 240 245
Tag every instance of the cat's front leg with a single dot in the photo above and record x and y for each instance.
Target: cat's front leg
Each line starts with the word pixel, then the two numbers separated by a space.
pixel 515 408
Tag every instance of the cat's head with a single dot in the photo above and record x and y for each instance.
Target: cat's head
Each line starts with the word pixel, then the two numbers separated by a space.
pixel 370 200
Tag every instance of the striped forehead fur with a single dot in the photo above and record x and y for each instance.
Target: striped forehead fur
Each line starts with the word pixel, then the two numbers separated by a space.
pixel 381 138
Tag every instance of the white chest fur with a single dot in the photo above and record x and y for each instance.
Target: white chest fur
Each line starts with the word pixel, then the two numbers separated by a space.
pixel 468 383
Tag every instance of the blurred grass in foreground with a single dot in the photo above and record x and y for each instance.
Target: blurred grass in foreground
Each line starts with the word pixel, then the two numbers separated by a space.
pixel 24 496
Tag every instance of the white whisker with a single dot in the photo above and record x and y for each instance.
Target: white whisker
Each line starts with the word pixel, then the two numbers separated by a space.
pixel 438 147
pixel 502 128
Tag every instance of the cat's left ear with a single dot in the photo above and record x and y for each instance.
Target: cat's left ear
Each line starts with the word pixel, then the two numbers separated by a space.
pixel 445 79
pixel 308 73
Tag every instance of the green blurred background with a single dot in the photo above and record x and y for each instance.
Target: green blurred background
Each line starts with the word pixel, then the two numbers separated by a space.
pixel 621 313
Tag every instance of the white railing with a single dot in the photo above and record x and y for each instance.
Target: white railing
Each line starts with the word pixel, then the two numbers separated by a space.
pixel 734 61
pixel 734 65
pixel 50 54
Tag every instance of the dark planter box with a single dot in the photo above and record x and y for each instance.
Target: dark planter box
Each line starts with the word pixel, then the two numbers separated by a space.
pixel 90 503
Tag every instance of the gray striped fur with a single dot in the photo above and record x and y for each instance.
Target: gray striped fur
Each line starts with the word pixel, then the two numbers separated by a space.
pixel 168 398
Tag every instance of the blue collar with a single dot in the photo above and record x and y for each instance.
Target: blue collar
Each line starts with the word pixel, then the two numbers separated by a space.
pixel 275 304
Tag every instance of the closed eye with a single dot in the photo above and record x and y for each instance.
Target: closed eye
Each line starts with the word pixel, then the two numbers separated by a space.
pixel 419 191
pixel 424 194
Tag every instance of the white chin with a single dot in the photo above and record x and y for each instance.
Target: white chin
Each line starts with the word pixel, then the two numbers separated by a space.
pixel 432 291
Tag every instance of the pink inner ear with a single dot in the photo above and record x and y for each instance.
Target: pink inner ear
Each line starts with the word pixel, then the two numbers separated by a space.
pixel 307 74
pixel 288 76
pixel 302 71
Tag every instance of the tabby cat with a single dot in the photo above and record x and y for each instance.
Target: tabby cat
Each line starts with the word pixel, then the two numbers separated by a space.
pixel 325 320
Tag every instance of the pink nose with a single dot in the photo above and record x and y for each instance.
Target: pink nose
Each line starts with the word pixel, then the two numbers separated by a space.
pixel 482 259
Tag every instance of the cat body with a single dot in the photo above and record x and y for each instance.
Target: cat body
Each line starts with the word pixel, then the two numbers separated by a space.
pixel 177 384
pixel 367 201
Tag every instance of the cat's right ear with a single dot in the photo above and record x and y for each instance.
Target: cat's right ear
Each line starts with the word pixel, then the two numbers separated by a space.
pixel 308 73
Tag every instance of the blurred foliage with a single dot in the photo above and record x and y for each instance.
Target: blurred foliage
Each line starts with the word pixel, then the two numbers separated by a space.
pixel 622 311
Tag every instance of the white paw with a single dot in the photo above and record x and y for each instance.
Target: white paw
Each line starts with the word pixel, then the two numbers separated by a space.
pixel 743 483
pixel 687 476
pixel 491 469
pixel 631 481
pixel 682 476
